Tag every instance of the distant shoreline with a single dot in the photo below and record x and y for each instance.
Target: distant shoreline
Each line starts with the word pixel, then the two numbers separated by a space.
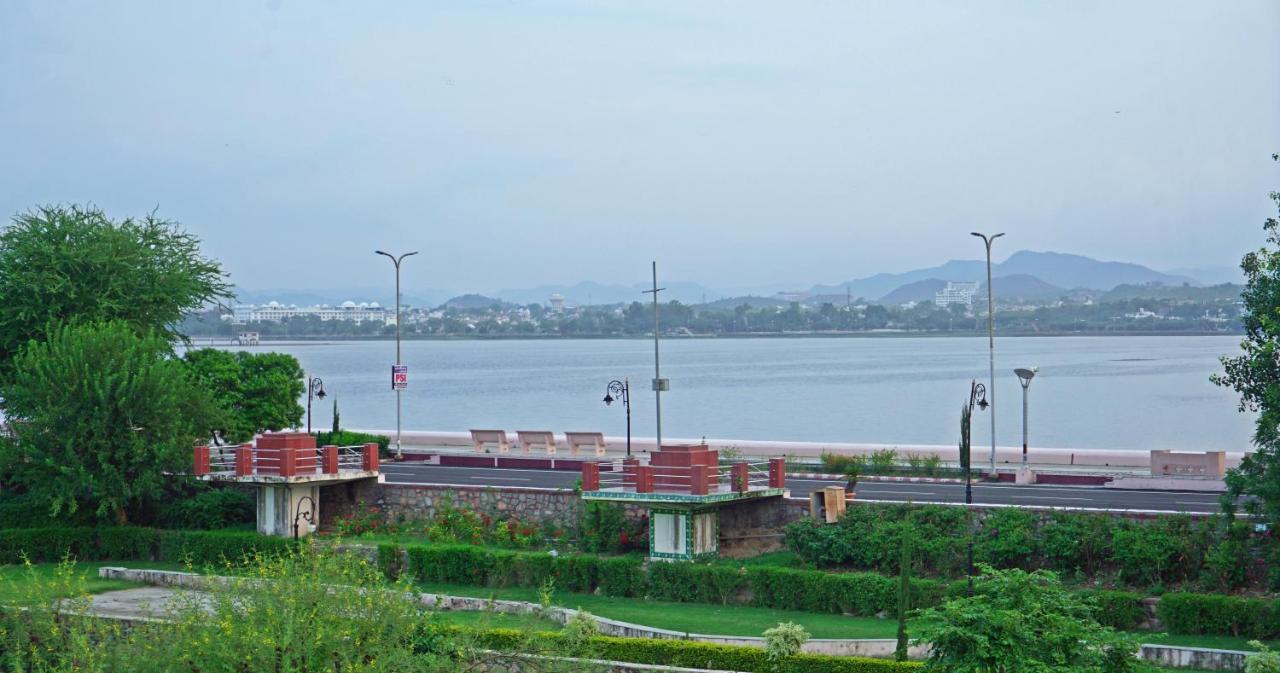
pixel 225 341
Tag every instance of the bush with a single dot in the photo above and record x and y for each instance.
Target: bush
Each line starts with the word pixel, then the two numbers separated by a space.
pixel 127 543
pixel 784 640
pixel 1118 609
pixel 1219 615
pixel 47 545
pixel 217 547
pixel 1007 539
pixel 349 438
pixel 211 509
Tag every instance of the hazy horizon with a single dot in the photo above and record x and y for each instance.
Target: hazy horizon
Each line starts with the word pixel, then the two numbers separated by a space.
pixel 741 145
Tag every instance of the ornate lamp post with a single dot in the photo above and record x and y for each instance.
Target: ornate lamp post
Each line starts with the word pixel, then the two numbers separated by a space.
pixel 315 388
pixel 309 516
pixel 977 396
pixel 622 391
pixel 396 260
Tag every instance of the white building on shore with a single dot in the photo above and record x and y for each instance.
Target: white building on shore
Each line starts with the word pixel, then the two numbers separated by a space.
pixel 956 293
pixel 349 311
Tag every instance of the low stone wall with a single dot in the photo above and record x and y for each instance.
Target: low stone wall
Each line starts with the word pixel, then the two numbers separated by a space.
pixel 1200 658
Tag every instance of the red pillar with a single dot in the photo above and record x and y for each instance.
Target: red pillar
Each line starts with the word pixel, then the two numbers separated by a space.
pixel 288 462
pixel 590 476
pixel 739 477
pixel 644 479
pixel 698 479
pixel 370 458
pixel 330 459
pixel 244 460
pixel 777 473
pixel 201 458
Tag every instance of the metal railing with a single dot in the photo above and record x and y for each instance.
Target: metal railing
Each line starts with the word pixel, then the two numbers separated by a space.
pixel 222 459
pixel 621 476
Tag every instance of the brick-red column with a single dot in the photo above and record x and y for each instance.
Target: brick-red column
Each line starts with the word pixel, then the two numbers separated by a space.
pixel 777 473
pixel 590 476
pixel 200 454
pixel 244 460
pixel 629 466
pixel 370 461
pixel 739 477
pixel 288 462
pixel 698 479
pixel 644 479
pixel 330 459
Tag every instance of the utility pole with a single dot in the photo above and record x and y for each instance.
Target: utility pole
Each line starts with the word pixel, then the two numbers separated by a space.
pixel 991 344
pixel 659 384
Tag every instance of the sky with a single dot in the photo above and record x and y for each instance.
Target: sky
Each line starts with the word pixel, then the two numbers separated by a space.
pixel 740 144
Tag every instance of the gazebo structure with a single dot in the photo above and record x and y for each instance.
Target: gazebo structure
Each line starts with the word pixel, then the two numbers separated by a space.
pixel 683 488
pixel 288 471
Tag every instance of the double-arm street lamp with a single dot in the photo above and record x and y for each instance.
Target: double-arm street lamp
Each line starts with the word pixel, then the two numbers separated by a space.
pixel 621 390
pixel 1024 377
pixel 396 260
pixel 315 388
pixel 991 343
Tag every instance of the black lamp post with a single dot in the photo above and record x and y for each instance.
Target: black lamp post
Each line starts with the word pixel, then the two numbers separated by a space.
pixel 977 396
pixel 315 388
pixel 622 389
pixel 308 515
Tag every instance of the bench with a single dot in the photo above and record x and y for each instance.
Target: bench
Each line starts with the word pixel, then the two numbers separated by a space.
pixel 541 438
pixel 483 438
pixel 575 440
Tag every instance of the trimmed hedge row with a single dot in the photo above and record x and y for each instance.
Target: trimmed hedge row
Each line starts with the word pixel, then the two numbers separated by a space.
pixel 863 594
pixel 691 654
pixel 126 543
pixel 1220 615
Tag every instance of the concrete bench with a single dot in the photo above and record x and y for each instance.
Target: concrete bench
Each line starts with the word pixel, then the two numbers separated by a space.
pixel 576 440
pixel 541 438
pixel 481 439
pixel 1188 464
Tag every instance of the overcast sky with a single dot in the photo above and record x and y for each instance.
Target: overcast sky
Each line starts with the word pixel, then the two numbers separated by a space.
pixel 738 143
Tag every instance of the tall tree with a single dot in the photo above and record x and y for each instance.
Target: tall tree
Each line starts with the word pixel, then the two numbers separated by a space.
pixel 1255 374
pixel 70 263
pixel 253 392
pixel 101 415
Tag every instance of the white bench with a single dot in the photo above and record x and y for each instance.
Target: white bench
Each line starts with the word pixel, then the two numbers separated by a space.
pixel 541 438
pixel 575 440
pixel 483 438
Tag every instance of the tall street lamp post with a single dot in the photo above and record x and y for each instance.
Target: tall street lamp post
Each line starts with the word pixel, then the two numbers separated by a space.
pixel 315 388
pixel 659 384
pixel 1024 377
pixel 991 343
pixel 621 390
pixel 396 260
pixel 977 396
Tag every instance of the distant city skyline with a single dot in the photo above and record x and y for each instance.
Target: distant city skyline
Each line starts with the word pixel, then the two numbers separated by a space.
pixel 745 145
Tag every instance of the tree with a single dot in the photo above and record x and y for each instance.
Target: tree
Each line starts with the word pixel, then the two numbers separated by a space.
pixel 1018 621
pixel 60 264
pixel 337 424
pixel 904 595
pixel 1255 374
pixel 254 392
pixel 100 414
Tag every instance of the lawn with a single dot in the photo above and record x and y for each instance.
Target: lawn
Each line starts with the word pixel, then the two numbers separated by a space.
pixel 13 576
pixel 497 620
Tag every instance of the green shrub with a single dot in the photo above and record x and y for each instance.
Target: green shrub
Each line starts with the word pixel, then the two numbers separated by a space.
pixel 389 561
pixel 349 438
pixel 621 577
pixel 1216 614
pixel 47 545
pixel 1118 609
pixel 21 512
pixel 211 509
pixel 1007 539
pixel 217 547
pixel 127 543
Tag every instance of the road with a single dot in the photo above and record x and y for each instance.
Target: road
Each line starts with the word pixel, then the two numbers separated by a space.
pixel 1089 497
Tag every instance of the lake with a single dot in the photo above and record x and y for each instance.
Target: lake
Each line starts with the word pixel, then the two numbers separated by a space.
pixel 1125 392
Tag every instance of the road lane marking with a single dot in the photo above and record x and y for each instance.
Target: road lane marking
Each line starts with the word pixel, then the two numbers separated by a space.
pixel 501 478
pixel 1053 497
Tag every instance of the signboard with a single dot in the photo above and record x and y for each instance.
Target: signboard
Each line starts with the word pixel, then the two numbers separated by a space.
pixel 399 377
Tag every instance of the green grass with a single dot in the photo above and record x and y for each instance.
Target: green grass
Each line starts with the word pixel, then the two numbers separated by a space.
pixel 497 620
pixel 13 576
pixel 729 620
pixel 1215 642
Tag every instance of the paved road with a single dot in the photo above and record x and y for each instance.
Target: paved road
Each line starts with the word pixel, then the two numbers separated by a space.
pixel 1047 496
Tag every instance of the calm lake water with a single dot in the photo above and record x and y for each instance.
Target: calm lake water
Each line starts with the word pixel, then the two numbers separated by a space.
pixel 1091 392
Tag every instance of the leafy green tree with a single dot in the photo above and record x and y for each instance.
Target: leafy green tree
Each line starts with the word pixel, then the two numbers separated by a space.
pixel 1018 622
pixel 254 392
pixel 1255 374
pixel 99 414
pixel 60 264
pixel 904 596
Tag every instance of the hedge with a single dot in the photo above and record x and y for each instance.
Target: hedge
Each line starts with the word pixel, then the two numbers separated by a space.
pixel 1219 615
pixel 128 543
pixel 692 654
pixel 1118 609
pixel 862 594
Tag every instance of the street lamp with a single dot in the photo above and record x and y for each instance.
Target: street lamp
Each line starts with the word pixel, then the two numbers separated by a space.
pixel 396 260
pixel 991 342
pixel 623 391
pixel 977 396
pixel 309 516
pixel 315 388
pixel 1024 377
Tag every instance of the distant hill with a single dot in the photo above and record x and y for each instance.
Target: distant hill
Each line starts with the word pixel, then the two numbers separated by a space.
pixel 474 301
pixel 590 292
pixel 1055 268
pixel 1020 286
pixel 731 303
pixel 921 290
pixel 1223 292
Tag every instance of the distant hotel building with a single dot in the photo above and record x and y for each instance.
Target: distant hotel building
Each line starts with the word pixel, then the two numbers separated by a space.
pixel 956 293
pixel 276 312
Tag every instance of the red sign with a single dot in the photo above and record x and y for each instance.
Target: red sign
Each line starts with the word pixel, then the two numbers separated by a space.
pixel 399 377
